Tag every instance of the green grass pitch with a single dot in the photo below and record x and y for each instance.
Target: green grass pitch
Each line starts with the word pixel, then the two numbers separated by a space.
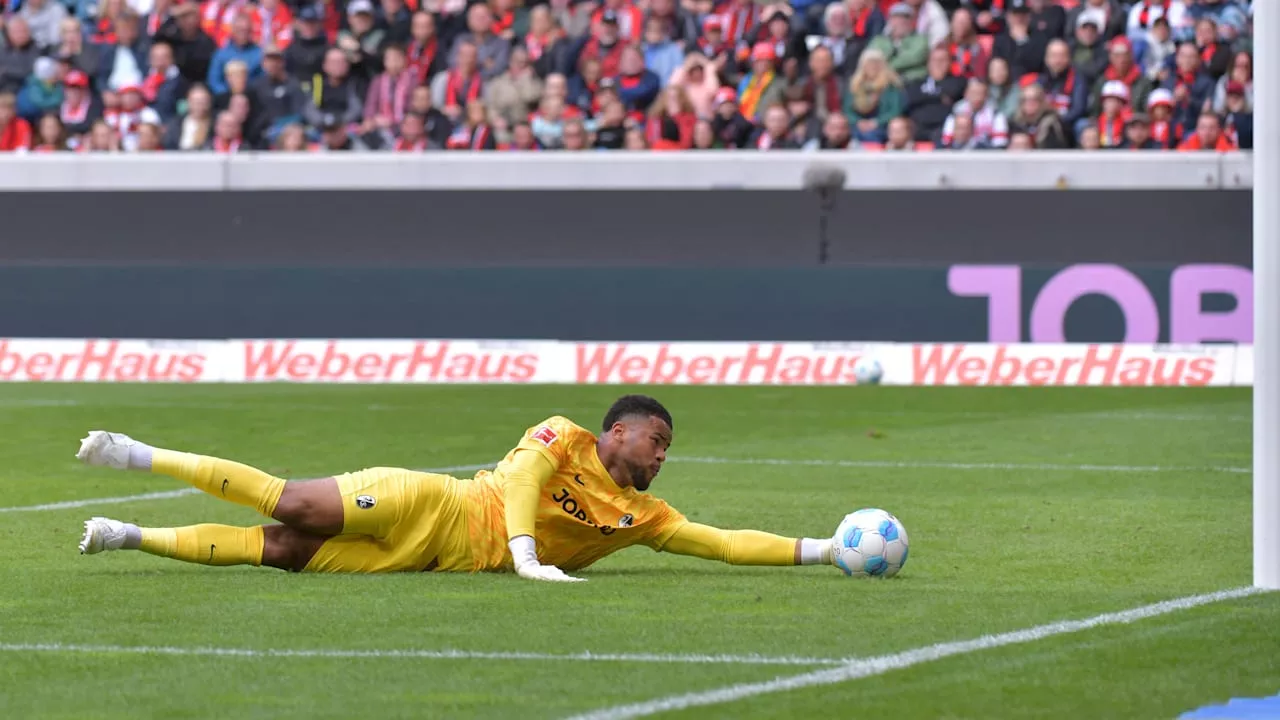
pixel 1090 501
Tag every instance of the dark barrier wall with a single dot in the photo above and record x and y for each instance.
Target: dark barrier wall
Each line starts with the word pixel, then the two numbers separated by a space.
pixel 705 265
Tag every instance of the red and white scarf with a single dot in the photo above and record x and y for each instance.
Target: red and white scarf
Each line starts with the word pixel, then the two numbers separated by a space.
pixel 403 145
pixel 458 92
pixel 391 97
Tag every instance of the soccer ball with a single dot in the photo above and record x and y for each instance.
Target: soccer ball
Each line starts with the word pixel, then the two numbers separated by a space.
pixel 870 543
pixel 867 371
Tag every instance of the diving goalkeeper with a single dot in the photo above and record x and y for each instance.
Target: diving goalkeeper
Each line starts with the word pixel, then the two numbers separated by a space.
pixel 561 500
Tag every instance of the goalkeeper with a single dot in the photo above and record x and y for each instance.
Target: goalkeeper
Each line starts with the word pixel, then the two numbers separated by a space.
pixel 560 501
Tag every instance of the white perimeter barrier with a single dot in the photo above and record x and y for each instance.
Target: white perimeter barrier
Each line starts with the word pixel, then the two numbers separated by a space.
pixel 592 363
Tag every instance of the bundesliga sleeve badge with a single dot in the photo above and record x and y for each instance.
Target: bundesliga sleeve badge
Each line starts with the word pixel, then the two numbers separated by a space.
pixel 544 435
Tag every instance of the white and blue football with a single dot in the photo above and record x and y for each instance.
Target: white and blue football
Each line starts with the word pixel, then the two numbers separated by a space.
pixel 868 371
pixel 870 543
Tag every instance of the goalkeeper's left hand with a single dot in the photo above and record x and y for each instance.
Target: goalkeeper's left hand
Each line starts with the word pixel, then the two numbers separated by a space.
pixel 525 557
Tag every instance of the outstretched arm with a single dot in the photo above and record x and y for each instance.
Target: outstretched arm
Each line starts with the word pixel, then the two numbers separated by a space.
pixel 747 547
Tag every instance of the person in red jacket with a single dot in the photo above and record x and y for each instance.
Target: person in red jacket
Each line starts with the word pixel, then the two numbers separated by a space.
pixel 604 45
pixel 15 133
pixel 1208 136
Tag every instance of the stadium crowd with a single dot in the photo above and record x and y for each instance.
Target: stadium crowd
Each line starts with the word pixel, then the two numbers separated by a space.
pixel 415 75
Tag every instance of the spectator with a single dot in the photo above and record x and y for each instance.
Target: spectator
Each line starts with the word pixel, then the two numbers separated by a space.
pixel 698 78
pixel 1004 92
pixel 662 56
pixel 548 122
pixel 193 49
pixel 236 82
pixel 673 105
pixel 1048 20
pixel 901 136
pixel 988 15
pixel 388 98
pixel 292 138
pixel 412 136
pixel 823 86
pixel 102 138
pixel 150 138
pixel 678 24
pixel 611 126
pixel 1090 139
pixel 474 132
pixel 1122 68
pixel 739 17
pixel 42 92
pixel 968 58
pixel 277 96
pixel 959 134
pixel 835 135
pixel 929 101
pixel 492 52
pixel 15 133
pixel 1137 134
pixel 164 85
pixel 575 135
pixel 133 113
pixel 1192 87
pixel 226 134
pixel 272 23
pixel 1115 113
pixel 1037 119
pixel 1160 108
pixel 1088 54
pixel 805 124
pixel 930 20
pixel 44 17
pixel 713 47
pixel 124 62
pixel 363 42
pixel 760 88
pixel 192 129
pixel 866 22
pixel 628 17
pixel 604 45
pixel 585 89
pixel 304 58
pixel 988 128
pixel 80 107
pixel 512 95
pixel 72 50
pixel 1155 53
pixel 1208 136
pixel 103 32
pixel 437 126
pixel 51 136
pixel 522 138
pixel 906 51
pixel 577 19
pixel 875 97
pixel 774 30
pixel 635 140
pixel 335 136
pixel 461 84
pixel 837 40
pixel 505 19
pixel 704 137
pixel 423 49
pixel 1020 141
pixel 1215 57
pixel 240 47
pixel 17 56
pixel 1241 72
pixel 1108 17
pixel 775 133
pixel 731 127
pixel 1238 119
pixel 335 94
pixel 1020 47
pixel 397 20
pixel 1066 90
pixel 637 86
pixel 1144 12
pixel 546 43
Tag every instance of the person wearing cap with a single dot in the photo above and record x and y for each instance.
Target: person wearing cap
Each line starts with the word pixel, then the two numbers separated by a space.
pixel 1121 66
pixel 623 14
pixel 906 50
pixel 1019 44
pixel 604 46
pixel 304 58
pixel 1107 16
pixel 1115 112
pixel 760 87
pixel 42 92
pixel 45 19
pixel 133 113
pixel 1237 118
pixel 1088 53
pixel 277 95
pixel 335 137
pixel 193 49
pixel 1160 110
pixel 363 42
pixel 240 46
pixel 731 127
pixel 1137 134
pixel 1207 136
pixel 712 46
pixel 80 107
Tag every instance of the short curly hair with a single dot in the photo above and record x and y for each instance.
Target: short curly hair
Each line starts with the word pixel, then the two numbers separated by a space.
pixel 633 405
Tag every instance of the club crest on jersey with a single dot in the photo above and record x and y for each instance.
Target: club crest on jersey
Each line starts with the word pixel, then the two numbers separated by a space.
pixel 625 520
pixel 545 435
pixel 366 501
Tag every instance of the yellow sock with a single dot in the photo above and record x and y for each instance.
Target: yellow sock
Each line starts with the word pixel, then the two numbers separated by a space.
pixel 224 479
pixel 206 544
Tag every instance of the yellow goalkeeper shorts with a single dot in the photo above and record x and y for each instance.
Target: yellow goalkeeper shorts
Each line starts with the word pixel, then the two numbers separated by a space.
pixel 397 520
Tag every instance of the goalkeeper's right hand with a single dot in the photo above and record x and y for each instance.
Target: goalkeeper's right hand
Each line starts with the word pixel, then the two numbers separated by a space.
pixel 524 555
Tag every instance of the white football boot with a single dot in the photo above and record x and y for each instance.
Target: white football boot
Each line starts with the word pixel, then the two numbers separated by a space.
pixel 106 449
pixel 102 534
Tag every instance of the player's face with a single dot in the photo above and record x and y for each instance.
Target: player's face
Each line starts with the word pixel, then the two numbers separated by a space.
pixel 644 442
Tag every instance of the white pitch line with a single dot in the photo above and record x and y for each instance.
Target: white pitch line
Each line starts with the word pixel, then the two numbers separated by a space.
pixel 413 654
pixel 856 669
pixel 169 494
pixel 958 465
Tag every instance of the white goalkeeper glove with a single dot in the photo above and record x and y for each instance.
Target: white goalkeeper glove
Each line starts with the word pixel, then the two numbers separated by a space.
pixel 524 553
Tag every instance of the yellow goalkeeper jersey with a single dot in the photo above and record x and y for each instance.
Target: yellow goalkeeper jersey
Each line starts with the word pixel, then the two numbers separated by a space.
pixel 582 516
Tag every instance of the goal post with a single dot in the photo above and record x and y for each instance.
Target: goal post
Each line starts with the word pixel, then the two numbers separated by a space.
pixel 1266 295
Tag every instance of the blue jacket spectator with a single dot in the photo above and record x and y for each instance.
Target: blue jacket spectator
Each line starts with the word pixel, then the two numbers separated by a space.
pixel 241 47
pixel 661 55
pixel 637 86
